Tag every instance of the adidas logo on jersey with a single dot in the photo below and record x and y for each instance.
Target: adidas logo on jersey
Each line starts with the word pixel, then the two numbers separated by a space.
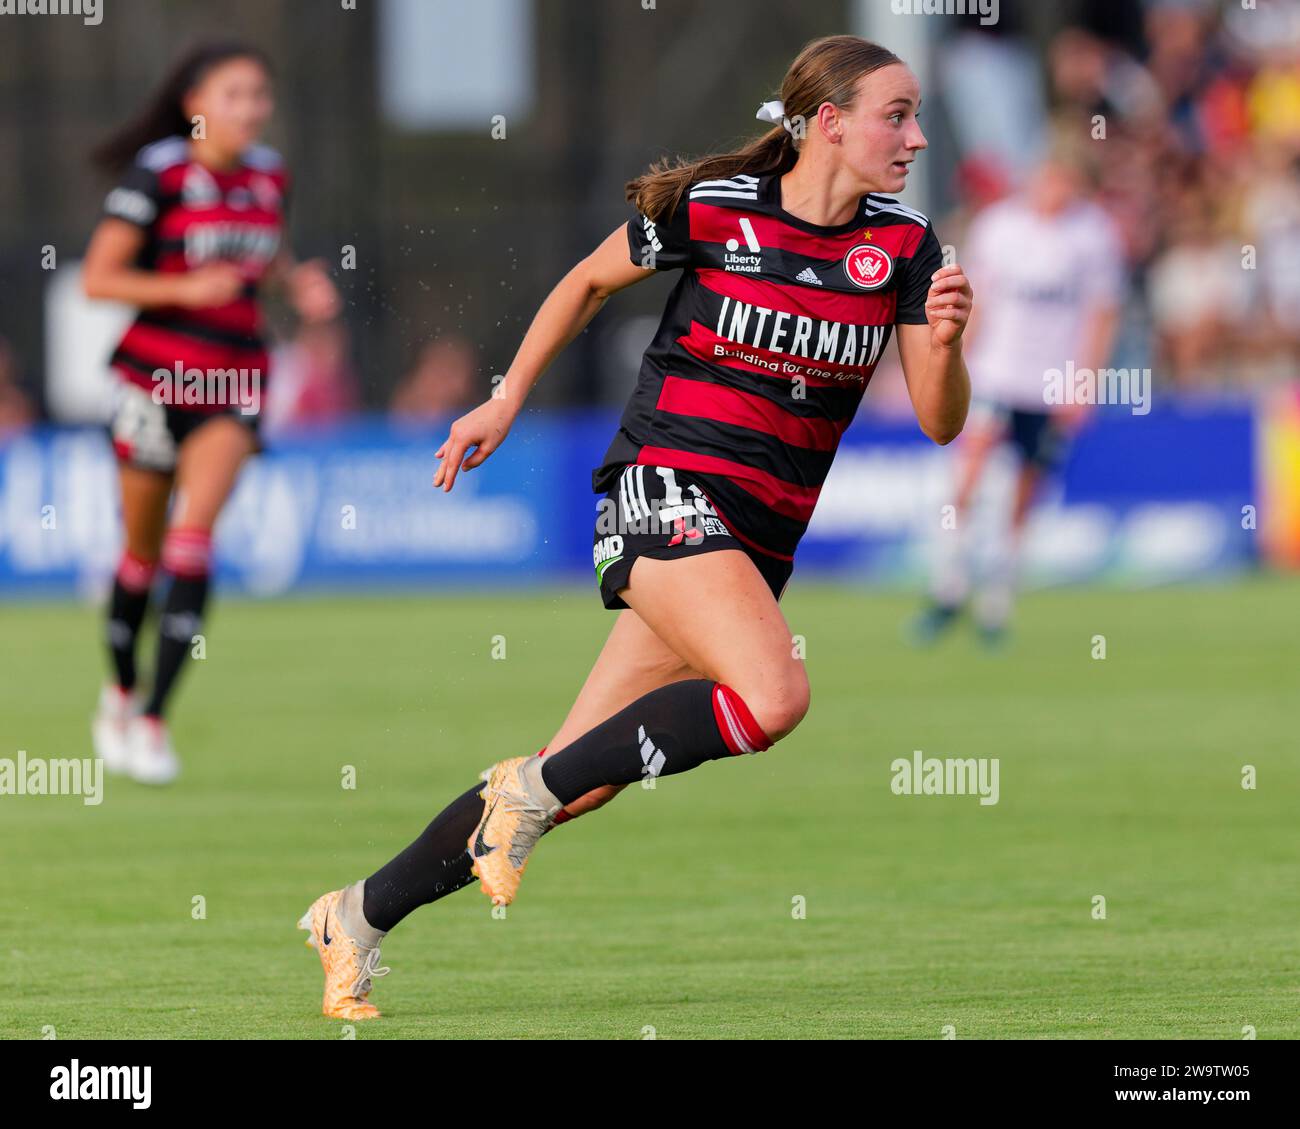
pixel 808 275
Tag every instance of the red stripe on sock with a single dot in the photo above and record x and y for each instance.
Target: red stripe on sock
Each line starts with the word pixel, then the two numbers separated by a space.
pixel 134 574
pixel 739 730
pixel 187 552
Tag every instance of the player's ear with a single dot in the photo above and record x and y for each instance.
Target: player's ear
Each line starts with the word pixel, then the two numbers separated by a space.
pixel 832 125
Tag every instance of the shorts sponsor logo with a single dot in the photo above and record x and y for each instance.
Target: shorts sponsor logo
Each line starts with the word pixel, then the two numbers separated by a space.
pixel 637 508
pixel 868 267
pixel 605 552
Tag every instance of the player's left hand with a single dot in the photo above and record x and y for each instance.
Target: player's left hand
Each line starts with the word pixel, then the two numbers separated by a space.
pixel 484 429
pixel 312 292
pixel 948 305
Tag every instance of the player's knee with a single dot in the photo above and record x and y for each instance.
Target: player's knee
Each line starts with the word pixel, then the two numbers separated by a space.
pixel 764 714
pixel 780 706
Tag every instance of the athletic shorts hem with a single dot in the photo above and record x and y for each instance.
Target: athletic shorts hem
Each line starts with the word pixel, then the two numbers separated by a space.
pixel 148 435
pixel 618 573
pixel 686 525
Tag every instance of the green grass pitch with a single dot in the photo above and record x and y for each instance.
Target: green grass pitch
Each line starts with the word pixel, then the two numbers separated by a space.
pixel 671 912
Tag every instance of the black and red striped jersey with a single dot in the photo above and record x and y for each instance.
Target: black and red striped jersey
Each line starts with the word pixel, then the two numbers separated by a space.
pixel 766 345
pixel 193 215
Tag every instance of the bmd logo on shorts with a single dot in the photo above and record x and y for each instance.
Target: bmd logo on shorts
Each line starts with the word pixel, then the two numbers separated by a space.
pixel 868 267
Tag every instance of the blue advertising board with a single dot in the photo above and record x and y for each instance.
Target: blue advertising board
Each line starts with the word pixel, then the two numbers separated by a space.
pixel 1151 498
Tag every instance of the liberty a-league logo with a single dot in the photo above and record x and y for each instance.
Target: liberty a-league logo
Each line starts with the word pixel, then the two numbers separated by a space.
pixel 868 267
pixel 751 263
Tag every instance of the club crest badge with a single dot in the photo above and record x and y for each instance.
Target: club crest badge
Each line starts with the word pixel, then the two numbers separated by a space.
pixel 868 267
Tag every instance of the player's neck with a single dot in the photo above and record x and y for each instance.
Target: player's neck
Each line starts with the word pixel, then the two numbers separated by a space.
pixel 819 196
pixel 210 157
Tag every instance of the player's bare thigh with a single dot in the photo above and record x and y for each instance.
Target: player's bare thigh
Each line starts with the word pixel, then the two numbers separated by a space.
pixel 633 662
pixel 206 470
pixel 717 613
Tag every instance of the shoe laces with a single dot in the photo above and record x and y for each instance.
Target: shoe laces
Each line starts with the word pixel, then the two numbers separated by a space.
pixel 536 819
pixel 369 969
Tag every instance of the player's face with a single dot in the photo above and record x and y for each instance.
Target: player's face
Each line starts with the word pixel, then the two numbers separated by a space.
pixel 1055 186
pixel 881 134
pixel 235 101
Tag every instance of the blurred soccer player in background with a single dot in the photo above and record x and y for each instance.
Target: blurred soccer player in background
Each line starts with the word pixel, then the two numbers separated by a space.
pixel 1049 269
pixel 193 228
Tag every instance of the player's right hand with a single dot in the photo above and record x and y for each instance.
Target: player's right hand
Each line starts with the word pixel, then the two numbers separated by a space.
pixel 484 428
pixel 216 284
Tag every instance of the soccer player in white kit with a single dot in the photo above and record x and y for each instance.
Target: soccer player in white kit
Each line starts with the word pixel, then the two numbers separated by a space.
pixel 1049 267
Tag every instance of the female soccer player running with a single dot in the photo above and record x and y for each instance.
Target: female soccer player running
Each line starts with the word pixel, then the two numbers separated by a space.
pixel 796 265
pixel 192 228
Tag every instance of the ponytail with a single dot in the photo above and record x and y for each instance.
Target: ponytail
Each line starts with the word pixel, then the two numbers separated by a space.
pixel 826 70
pixel 657 192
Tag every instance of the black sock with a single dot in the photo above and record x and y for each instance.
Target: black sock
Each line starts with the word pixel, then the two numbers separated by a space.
pixel 182 617
pixel 435 865
pixel 126 610
pixel 669 730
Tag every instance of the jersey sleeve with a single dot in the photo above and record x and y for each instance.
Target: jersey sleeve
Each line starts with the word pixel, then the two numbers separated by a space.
pixel 914 279
pixel 135 198
pixel 665 245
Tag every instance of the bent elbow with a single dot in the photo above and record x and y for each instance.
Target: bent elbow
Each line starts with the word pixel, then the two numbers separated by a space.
pixel 942 435
pixel 94 285
pixel 584 278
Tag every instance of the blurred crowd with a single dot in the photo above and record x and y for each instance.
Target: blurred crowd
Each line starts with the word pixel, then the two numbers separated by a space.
pixel 1194 124
pixel 1190 110
pixel 314 381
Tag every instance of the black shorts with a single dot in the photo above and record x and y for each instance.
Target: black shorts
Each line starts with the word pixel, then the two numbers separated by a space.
pixel 149 435
pixel 1037 438
pixel 663 513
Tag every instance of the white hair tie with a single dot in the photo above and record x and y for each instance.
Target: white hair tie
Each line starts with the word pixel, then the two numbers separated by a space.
pixel 774 112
